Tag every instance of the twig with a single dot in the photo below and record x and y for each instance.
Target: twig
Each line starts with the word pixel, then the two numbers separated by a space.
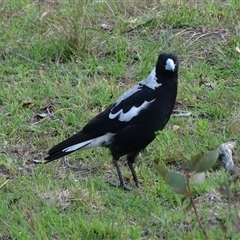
pixel 201 36
pixel 181 113
pixel 5 183
pixel 25 58
pixel 139 26
pixel 194 207
pixel 35 123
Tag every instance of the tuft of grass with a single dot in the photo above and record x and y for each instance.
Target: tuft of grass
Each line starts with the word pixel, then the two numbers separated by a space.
pixel 61 63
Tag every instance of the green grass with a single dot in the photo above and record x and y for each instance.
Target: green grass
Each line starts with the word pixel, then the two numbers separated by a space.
pixel 55 54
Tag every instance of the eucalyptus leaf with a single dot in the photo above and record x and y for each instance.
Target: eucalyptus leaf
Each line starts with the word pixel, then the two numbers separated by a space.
pixel 161 169
pixel 194 161
pixel 207 161
pixel 198 178
pixel 177 182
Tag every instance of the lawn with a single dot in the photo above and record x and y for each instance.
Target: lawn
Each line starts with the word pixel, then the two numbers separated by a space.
pixel 63 62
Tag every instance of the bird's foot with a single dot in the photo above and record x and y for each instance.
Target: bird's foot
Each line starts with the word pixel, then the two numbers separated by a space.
pixel 123 186
pixel 138 185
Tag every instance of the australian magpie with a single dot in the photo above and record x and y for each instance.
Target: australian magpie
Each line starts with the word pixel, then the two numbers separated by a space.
pixel 127 126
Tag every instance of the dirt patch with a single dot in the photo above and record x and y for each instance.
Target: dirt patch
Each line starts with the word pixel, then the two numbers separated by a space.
pixel 59 198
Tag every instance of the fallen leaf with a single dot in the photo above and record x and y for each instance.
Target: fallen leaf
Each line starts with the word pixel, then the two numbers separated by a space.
pixel 234 129
pixel 47 112
pixel 42 115
pixel 27 104
pixel 209 85
pixel 133 20
pixel 106 27
pixel 176 154
pixel 41 70
pixel 49 109
pixel 175 128
pixel 43 15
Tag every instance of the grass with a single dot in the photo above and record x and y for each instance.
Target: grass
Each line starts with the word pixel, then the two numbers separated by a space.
pixel 57 55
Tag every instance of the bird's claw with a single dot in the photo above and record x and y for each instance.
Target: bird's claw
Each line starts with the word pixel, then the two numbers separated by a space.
pixel 122 186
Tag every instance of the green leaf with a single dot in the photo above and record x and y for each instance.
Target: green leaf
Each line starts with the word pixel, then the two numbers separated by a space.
pixel 207 161
pixel 198 178
pixel 161 169
pixel 177 182
pixel 194 161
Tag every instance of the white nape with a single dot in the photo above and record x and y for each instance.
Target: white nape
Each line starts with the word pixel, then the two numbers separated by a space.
pixel 151 80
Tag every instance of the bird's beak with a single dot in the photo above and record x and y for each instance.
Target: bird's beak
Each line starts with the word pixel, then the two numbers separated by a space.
pixel 170 65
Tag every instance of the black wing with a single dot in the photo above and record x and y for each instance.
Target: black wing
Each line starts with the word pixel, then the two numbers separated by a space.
pixel 102 123
pixel 135 100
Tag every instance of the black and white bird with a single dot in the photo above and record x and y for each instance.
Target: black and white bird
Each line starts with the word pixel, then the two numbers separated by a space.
pixel 127 126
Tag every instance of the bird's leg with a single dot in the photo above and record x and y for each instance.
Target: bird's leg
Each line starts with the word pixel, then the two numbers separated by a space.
pixel 130 160
pixel 122 183
pixel 130 164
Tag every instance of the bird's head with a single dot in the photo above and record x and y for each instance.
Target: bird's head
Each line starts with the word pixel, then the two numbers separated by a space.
pixel 167 65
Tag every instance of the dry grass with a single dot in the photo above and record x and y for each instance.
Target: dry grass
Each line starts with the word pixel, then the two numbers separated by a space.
pixel 62 62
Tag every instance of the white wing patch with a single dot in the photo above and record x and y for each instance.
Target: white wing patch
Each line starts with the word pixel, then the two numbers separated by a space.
pixel 133 112
pixel 104 140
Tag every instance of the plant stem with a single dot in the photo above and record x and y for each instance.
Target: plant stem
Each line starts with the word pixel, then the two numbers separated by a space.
pixel 195 208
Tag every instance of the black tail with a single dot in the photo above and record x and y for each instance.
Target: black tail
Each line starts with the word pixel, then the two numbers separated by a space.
pixel 53 156
pixel 57 151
